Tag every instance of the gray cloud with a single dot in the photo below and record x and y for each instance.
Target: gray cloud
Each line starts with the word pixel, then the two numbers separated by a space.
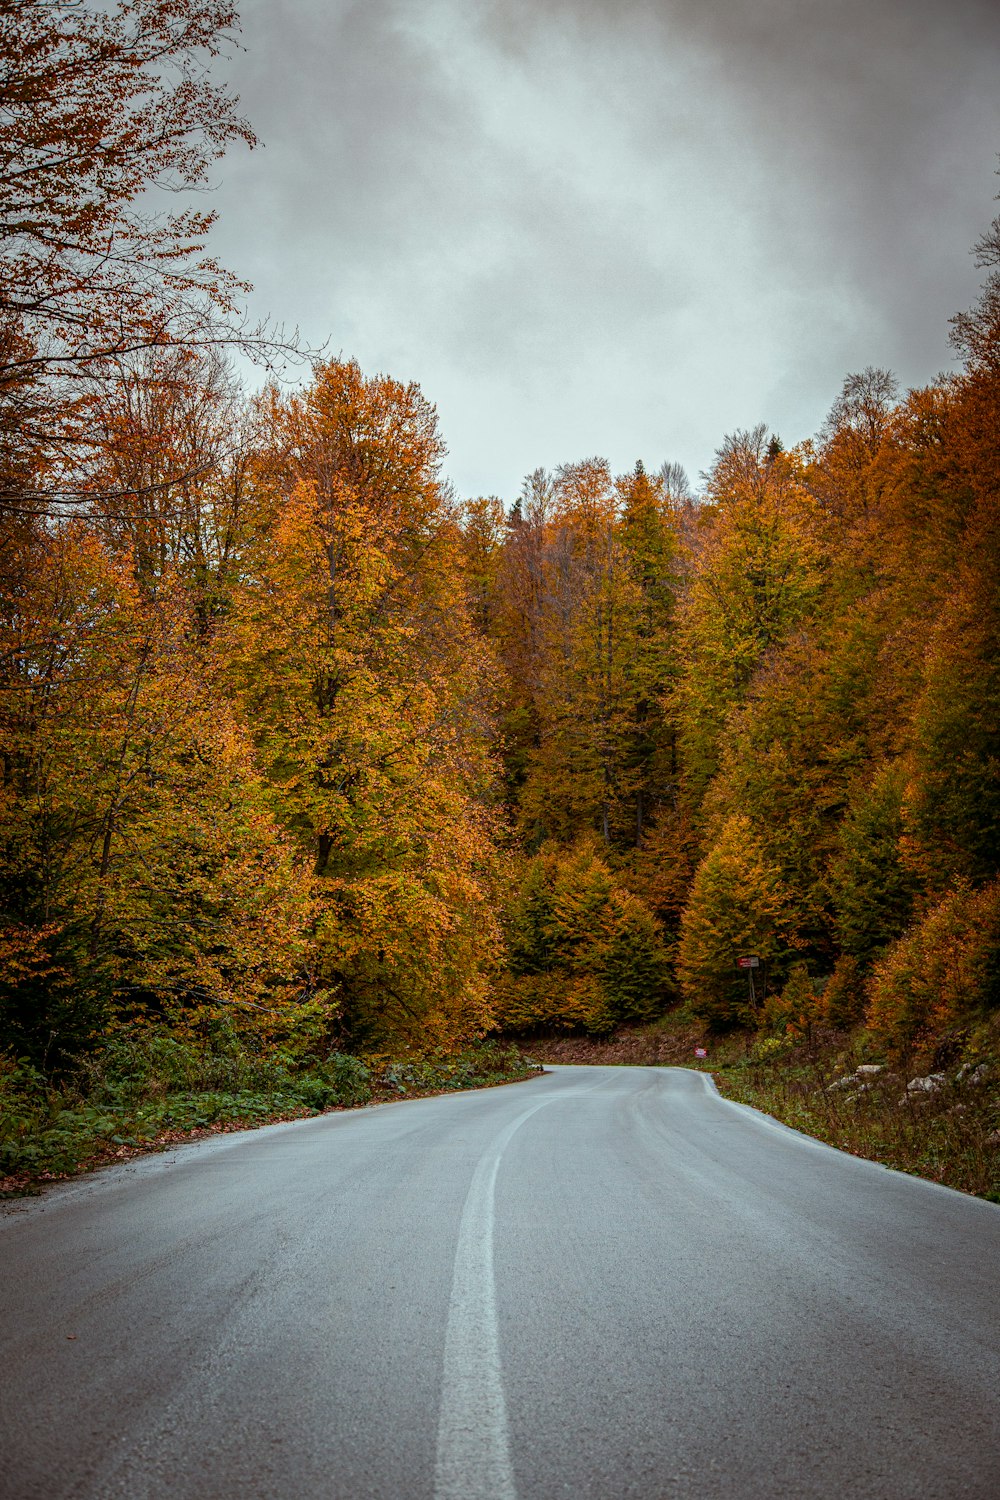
pixel 620 228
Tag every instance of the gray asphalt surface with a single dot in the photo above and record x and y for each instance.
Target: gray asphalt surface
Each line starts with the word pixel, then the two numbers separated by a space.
pixel 605 1282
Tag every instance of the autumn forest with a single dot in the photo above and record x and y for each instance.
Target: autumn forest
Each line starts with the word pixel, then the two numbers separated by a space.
pixel 306 756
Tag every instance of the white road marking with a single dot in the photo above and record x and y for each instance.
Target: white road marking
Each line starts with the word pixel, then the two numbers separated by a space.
pixel 473 1449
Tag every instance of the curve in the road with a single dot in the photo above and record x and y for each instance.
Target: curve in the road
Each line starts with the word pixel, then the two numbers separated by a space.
pixel 605 1283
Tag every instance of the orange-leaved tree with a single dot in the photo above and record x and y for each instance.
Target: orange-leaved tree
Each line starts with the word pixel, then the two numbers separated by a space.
pixel 141 869
pixel 367 689
pixel 105 108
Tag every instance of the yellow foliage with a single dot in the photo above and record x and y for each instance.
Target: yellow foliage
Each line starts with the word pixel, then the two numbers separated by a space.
pixel 943 972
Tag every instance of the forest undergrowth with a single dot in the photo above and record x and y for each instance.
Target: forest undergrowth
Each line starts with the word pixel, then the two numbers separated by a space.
pixel 148 1094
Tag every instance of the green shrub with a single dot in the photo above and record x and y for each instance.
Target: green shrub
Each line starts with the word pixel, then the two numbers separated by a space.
pixel 140 1087
pixel 339 1080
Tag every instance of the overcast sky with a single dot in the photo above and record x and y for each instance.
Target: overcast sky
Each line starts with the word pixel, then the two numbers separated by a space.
pixel 622 228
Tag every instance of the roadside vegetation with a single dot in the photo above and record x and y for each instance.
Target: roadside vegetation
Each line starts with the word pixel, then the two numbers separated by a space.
pixel 150 1093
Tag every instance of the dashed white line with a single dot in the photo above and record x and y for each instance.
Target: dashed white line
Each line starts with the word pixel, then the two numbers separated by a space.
pixel 473 1448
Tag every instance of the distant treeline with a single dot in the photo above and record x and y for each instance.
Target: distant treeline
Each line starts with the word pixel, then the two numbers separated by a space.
pixel 770 720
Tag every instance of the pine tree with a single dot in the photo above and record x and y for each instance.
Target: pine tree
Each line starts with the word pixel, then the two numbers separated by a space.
pixel 738 907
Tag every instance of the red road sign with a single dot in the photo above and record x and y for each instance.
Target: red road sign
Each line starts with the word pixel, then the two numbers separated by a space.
pixel 751 961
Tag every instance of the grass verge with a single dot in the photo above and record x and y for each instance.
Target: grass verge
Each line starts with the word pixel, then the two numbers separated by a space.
pixel 135 1096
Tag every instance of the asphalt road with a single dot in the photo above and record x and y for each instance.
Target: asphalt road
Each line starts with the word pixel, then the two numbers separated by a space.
pixel 606 1282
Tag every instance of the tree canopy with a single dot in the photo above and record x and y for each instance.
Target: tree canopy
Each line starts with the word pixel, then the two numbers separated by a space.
pixel 287 730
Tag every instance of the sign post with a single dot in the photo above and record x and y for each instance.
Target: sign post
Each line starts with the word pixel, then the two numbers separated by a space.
pixel 749 962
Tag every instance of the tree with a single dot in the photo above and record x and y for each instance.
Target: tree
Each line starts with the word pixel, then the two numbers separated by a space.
pixel 953 796
pixel 976 333
pixel 755 577
pixel 738 905
pixel 140 868
pixel 358 665
pixel 650 538
pixel 484 526
pixel 589 576
pixel 581 780
pixel 796 1008
pixel 858 446
pixel 177 479
pixel 584 953
pixel 796 755
pixel 873 885
pixel 104 108
pixel 942 973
